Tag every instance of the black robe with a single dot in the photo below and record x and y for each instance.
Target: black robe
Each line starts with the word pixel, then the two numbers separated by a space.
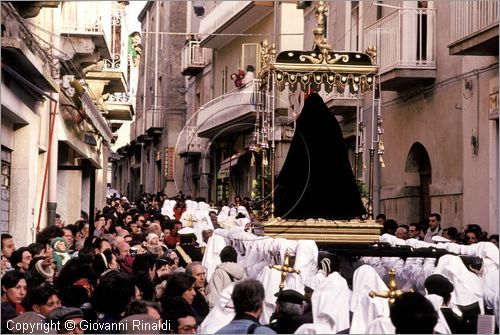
pixel 316 180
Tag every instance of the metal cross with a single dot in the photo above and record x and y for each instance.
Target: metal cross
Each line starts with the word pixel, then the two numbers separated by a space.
pixel 393 292
pixel 285 268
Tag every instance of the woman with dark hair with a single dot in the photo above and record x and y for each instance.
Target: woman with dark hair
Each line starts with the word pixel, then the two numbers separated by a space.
pixel 76 282
pixel 179 286
pixel 14 290
pixel 103 262
pixel 111 296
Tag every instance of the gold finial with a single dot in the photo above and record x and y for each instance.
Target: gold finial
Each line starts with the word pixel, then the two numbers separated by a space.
pixel 393 292
pixel 267 52
pixel 319 31
pixel 287 267
pixel 372 52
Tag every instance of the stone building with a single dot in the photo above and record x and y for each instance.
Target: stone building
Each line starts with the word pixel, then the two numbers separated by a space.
pixel 61 72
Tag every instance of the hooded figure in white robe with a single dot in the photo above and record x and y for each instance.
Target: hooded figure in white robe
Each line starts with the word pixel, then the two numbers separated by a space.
pixel 383 324
pixel 271 278
pixel 221 314
pixel 330 303
pixel 490 273
pixel 168 209
pixel 223 214
pixel 187 217
pixel 468 286
pixel 211 257
pixel 365 309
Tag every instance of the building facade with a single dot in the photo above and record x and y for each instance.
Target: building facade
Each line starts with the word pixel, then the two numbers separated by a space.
pixel 434 143
pixel 436 113
pixel 147 162
pixel 61 68
pixel 429 129
pixel 222 151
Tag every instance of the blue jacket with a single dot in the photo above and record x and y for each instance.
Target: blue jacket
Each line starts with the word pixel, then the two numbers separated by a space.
pixel 241 325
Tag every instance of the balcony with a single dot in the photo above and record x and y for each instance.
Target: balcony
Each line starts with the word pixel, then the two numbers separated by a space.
pixel 153 121
pixel 114 156
pixel 228 114
pixel 140 133
pixel 22 55
pixel 87 19
pixel 133 134
pixel 189 144
pixel 227 17
pixel 115 126
pixel 406 48
pixel 194 58
pixel 119 107
pixel 474 28
pixel 341 103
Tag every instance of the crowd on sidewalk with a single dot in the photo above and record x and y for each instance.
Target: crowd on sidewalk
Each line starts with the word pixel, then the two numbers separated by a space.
pixel 162 265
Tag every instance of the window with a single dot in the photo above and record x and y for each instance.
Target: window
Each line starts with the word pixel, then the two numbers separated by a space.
pixel 379 10
pixel 250 55
pixel 5 190
pixel 5 175
pixel 354 25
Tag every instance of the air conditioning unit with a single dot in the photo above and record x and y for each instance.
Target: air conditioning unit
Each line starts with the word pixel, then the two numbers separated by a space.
pixel 194 58
pixel 303 4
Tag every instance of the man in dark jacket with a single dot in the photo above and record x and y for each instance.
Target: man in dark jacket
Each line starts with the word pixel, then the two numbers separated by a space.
pixel 200 304
pixel 287 316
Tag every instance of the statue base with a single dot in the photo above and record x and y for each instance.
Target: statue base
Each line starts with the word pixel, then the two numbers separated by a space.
pixel 323 231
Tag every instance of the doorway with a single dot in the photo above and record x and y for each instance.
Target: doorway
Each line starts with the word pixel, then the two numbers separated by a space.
pixel 419 164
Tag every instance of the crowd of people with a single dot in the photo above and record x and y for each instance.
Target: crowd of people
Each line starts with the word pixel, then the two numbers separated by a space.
pixel 430 230
pixel 148 267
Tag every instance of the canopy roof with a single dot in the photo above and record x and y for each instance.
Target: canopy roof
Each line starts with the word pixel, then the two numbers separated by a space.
pixel 308 70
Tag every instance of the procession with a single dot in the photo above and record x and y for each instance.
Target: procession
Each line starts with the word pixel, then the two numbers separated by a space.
pixel 186 267
pixel 346 184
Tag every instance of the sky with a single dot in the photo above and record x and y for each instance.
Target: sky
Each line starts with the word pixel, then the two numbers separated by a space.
pixel 133 10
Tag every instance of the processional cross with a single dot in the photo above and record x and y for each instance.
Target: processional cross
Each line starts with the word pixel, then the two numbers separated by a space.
pixel 393 292
pixel 287 267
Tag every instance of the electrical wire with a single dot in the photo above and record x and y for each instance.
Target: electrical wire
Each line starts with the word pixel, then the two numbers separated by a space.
pixel 22 21
pixel 64 61
pixel 440 84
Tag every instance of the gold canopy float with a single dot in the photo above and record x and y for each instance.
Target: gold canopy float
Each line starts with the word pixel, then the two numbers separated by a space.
pixel 310 71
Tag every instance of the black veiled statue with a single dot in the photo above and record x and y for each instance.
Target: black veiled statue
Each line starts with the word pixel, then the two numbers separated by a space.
pixel 316 180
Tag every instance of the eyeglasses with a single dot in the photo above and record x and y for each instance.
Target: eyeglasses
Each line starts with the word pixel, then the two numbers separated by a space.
pixel 189 327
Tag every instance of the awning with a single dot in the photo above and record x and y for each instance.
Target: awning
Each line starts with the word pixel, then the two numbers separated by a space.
pixel 93 113
pixel 229 162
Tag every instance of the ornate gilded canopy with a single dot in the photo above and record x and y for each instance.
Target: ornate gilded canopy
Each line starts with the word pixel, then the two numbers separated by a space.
pixel 308 70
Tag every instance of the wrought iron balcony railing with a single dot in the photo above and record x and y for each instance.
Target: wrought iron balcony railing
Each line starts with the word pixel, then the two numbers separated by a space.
pixel 88 18
pixel 406 38
pixel 470 17
pixel 189 143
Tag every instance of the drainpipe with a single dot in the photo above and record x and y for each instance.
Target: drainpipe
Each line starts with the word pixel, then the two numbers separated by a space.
pixel 52 183
pixel 54 105
pixel 152 164
pixel 157 6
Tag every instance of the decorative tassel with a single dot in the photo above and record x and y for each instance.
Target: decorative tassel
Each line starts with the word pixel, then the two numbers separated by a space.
pixel 252 160
pixel 381 160
pixel 264 160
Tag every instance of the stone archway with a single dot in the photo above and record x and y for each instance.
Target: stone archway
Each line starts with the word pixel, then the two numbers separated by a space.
pixel 419 165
